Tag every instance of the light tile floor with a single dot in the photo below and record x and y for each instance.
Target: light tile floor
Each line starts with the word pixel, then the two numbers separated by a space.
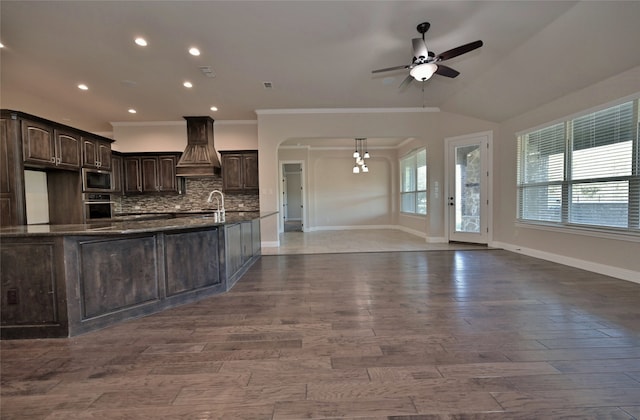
pixel 369 240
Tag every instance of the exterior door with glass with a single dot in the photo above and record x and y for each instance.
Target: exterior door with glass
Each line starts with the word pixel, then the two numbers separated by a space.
pixel 467 199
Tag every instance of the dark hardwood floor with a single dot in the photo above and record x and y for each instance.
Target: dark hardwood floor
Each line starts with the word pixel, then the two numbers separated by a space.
pixel 482 334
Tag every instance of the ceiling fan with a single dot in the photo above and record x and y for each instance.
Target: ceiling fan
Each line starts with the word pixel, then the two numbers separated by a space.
pixel 425 63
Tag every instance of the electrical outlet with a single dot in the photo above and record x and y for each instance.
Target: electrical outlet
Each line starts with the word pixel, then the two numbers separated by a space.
pixel 12 296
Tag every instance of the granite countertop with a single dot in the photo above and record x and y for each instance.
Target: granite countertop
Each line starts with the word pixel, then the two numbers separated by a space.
pixel 134 225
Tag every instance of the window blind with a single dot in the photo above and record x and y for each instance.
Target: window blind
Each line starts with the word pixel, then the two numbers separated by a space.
pixel 582 171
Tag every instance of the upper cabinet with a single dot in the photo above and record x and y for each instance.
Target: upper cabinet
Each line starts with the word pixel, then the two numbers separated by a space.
pixel 117 178
pixel 150 173
pixel 12 198
pixel 46 146
pixel 96 153
pixel 240 171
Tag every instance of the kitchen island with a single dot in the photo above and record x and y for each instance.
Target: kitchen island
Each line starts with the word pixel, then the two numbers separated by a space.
pixel 65 280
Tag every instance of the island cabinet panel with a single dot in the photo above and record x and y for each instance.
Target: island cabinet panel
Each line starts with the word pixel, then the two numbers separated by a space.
pixel 117 274
pixel 33 292
pixel 184 273
pixel 233 236
pixel 255 237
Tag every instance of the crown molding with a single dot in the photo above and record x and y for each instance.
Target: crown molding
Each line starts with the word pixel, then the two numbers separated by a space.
pixel 345 111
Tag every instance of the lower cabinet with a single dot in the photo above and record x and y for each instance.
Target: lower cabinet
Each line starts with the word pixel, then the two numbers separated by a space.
pixel 33 289
pixel 184 273
pixel 62 286
pixel 117 274
pixel 242 246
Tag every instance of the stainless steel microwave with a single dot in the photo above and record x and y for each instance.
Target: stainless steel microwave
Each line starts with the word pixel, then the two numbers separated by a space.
pixel 96 181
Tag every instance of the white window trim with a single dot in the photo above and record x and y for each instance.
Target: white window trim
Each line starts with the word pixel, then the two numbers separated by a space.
pixel 414 153
pixel 605 232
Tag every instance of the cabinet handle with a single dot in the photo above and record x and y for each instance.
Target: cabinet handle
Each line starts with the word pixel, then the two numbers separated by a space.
pixel 58 160
pixel 53 159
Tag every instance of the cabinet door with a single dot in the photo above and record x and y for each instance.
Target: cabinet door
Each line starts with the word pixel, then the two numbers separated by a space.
pixel 167 173
pixel 231 172
pixel 149 174
pixel 250 171
pixel 28 284
pixel 67 150
pixel 255 236
pixel 10 176
pixel 104 155
pixel 38 144
pixel 247 247
pixel 132 180
pixel 89 153
pixel 233 248
pixel 116 175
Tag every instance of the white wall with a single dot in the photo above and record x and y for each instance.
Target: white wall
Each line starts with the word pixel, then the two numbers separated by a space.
pixel 606 255
pixel 171 136
pixel 274 128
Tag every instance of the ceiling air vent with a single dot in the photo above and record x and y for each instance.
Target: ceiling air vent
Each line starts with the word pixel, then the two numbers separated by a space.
pixel 267 85
pixel 207 71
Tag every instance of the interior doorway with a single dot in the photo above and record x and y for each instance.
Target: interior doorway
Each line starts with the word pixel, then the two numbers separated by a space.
pixel 292 203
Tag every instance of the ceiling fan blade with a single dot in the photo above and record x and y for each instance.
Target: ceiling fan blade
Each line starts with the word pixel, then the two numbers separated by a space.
pixel 462 49
pixel 405 82
pixel 446 71
pixel 419 48
pixel 390 68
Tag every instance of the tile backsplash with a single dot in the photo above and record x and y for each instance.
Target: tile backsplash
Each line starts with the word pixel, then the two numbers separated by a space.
pixel 194 199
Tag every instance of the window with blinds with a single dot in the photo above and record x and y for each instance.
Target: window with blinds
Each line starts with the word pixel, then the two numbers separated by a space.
pixel 413 178
pixel 584 171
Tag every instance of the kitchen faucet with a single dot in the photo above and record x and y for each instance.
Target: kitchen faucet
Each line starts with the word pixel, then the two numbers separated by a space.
pixel 220 216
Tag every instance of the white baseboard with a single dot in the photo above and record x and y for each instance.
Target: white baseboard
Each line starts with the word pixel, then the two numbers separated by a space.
pixel 354 227
pixel 607 270
pixel 270 244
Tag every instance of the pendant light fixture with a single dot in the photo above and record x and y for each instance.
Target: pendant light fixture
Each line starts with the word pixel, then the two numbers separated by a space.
pixel 360 154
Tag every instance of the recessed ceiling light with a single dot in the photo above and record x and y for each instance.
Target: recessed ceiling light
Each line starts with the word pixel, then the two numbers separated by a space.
pixel 82 86
pixel 194 51
pixel 141 41
pixel 132 111
pixel 187 84
pixel 214 108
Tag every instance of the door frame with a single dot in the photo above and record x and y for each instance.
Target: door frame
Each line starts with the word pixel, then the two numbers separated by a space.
pixel 485 136
pixel 281 192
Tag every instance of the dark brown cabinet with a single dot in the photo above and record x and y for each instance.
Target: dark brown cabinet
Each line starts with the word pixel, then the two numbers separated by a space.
pixel 240 171
pixel 117 180
pixel 12 200
pixel 33 294
pixel 96 153
pixel 46 147
pixel 152 173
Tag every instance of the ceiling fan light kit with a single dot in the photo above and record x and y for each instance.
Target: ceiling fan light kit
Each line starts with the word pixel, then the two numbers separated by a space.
pixel 424 63
pixel 423 72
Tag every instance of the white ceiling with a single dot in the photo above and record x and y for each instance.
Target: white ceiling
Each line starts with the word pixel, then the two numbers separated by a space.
pixel 317 54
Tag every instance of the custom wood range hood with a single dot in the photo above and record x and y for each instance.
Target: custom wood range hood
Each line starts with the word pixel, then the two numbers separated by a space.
pixel 199 158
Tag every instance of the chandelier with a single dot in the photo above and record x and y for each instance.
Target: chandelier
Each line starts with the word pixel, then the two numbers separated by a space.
pixel 361 153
